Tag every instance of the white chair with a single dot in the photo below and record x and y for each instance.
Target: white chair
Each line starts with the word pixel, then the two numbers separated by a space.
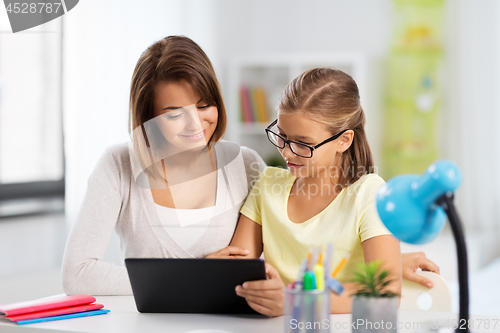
pixel 440 294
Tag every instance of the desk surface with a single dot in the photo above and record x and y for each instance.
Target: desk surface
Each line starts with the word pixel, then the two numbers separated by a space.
pixel 124 318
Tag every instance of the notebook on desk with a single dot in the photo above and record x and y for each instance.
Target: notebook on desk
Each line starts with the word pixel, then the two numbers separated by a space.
pixel 192 285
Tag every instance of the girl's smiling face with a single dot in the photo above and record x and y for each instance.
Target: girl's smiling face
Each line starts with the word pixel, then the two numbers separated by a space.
pixel 183 117
pixel 296 126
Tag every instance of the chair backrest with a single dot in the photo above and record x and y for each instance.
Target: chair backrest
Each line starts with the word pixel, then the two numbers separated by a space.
pixel 440 294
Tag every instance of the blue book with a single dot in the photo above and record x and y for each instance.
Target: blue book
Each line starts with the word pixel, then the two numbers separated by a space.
pixel 66 316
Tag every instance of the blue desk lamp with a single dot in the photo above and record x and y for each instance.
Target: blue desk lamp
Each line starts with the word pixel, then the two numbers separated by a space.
pixel 414 209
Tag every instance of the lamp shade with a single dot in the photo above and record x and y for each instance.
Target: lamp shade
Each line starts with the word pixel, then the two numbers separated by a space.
pixel 407 205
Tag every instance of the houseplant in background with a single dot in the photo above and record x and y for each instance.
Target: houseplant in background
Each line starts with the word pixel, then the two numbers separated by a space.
pixel 374 308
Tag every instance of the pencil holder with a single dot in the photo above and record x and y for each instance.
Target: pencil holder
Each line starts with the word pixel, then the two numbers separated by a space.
pixel 307 311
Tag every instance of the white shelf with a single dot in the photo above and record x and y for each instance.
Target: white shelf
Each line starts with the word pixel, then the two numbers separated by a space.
pixel 253 128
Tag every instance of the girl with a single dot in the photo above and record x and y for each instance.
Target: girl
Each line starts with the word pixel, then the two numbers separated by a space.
pixel 326 195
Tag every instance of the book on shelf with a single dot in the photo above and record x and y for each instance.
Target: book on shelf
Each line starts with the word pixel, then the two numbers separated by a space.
pixel 246 106
pixel 253 105
pixel 260 96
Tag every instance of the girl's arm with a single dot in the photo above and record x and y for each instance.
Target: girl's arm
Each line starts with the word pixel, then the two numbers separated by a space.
pixel 384 248
pixel 248 235
pixel 246 242
pixel 264 296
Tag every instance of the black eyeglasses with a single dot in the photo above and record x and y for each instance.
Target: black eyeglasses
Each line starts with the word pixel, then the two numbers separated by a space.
pixel 298 148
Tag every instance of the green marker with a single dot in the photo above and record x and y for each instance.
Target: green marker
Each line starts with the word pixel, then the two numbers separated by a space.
pixel 309 281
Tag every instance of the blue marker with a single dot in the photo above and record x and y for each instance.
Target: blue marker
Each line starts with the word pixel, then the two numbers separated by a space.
pixel 328 262
pixel 298 286
pixel 300 278
pixel 335 286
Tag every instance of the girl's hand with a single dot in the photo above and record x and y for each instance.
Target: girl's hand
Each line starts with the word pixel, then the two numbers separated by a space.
pixel 411 262
pixel 264 296
pixel 229 252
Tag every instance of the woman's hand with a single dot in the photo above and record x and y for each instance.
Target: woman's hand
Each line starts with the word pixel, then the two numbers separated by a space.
pixel 229 252
pixel 411 262
pixel 264 296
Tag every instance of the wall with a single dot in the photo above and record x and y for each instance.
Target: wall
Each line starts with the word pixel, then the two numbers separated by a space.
pixel 471 114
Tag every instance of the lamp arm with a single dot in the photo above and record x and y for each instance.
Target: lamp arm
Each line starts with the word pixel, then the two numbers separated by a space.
pixel 446 202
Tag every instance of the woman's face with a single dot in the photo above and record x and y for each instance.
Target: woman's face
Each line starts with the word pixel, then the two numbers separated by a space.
pixel 183 117
pixel 297 127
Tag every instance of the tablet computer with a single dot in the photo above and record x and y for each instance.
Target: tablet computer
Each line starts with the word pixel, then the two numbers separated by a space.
pixel 192 285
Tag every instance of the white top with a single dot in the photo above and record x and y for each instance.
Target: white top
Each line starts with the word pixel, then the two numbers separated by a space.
pixel 185 226
pixel 115 200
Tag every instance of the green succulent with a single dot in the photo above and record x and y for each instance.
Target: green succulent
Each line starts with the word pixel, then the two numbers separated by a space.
pixel 371 283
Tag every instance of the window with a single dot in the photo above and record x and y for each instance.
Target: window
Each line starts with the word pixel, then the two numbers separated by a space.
pixel 31 136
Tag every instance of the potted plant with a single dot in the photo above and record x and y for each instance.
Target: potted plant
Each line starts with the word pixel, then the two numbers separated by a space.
pixel 374 308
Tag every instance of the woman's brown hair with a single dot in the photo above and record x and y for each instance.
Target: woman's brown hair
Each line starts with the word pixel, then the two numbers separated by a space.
pixel 331 97
pixel 173 59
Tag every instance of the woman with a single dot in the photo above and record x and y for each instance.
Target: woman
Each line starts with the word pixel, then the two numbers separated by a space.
pixel 176 189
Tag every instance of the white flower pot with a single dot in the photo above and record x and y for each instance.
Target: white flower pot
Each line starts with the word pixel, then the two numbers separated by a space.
pixel 374 314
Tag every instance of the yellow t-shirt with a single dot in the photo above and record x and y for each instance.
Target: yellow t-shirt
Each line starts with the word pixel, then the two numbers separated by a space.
pixel 348 220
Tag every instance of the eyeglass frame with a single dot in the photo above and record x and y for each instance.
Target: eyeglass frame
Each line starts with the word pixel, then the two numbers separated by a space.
pixel 286 141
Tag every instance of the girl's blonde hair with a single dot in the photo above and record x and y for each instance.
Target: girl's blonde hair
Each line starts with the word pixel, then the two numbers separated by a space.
pixel 331 97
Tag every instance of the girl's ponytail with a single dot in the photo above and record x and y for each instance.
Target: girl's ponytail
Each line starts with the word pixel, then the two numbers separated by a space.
pixel 331 97
pixel 357 160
